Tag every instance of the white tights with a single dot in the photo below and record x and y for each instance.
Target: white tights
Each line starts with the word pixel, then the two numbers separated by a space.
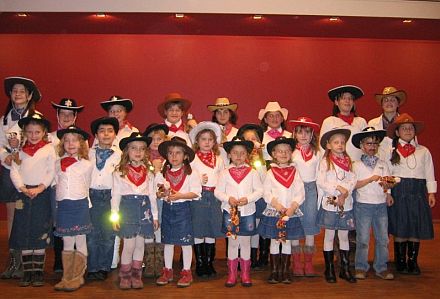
pixel 242 242
pixel 169 254
pixel 329 237
pixel 133 250
pixel 79 241
pixel 286 247
pixel 204 240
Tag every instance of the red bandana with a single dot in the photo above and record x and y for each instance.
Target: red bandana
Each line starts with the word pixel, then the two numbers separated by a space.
pixel 306 151
pixel 137 174
pixel 175 178
pixel 406 150
pixel 274 133
pixel 348 119
pixel 31 149
pixel 127 123
pixel 173 128
pixel 209 159
pixel 227 128
pixel 343 162
pixel 239 173
pixel 66 162
pixel 154 155
pixel 285 175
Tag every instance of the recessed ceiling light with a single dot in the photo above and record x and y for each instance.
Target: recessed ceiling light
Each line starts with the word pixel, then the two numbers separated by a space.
pixel 22 14
pixel 257 17
pixel 179 15
pixel 101 15
pixel 334 19
pixel 407 21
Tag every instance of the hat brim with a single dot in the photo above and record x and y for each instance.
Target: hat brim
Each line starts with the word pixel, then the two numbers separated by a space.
pixel 249 145
pixel 399 94
pixel 253 127
pixel 294 123
pixel 127 103
pixel 326 136
pixel 28 83
pixel 358 137
pixel 271 145
pixel 125 141
pixel 391 130
pixel 157 127
pixel 213 108
pixel 206 125
pixel 186 104
pixel 284 112
pixel 94 126
pixel 163 149
pixel 77 108
pixel 26 120
pixel 352 89
pixel 62 132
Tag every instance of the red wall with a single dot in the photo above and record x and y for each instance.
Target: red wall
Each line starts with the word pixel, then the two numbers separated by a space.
pixel 250 70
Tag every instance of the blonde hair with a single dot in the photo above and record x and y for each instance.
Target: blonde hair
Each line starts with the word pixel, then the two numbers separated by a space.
pixel 83 151
pixel 122 167
pixel 330 164
pixel 215 148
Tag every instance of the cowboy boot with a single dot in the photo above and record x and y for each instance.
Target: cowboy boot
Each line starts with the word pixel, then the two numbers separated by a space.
pixel 38 261
pixel 329 273
pixel 400 257
pixel 344 272
pixel 254 259
pixel 136 275
pixel 286 276
pixel 413 253
pixel 78 269
pixel 263 259
pixel 199 252
pixel 309 271
pixel 26 261
pixel 14 269
pixel 57 250
pixel 245 273
pixel 125 276
pixel 158 258
pixel 210 256
pixel 67 258
pixel 232 273
pixel 298 267
pixel 149 260
pixel 274 269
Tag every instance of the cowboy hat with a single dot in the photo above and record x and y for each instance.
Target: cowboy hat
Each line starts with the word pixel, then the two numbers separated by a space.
pixel 391 91
pixel 38 117
pixel 403 118
pixel 222 103
pixel 135 136
pixel 156 127
pixel 305 122
pixel 272 107
pixel 28 83
pixel 206 125
pixel 68 104
pixel 253 127
pixel 173 97
pixel 249 145
pixel 117 100
pixel 94 126
pixel 367 132
pixel 176 141
pixel 327 135
pixel 280 140
pixel 352 89
pixel 72 129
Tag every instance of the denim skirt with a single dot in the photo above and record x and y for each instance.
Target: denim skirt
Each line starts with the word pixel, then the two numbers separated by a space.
pixel 332 220
pixel 260 206
pixel 136 218
pixel 247 225
pixel 8 193
pixel 177 226
pixel 73 218
pixel 268 228
pixel 206 215
pixel 32 226
pixel 310 209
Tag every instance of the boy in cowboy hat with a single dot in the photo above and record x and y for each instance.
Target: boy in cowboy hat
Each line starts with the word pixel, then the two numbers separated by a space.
pixel 371 204
pixel 67 111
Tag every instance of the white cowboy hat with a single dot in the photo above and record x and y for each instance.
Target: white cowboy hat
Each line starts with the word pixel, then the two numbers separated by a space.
pixel 272 107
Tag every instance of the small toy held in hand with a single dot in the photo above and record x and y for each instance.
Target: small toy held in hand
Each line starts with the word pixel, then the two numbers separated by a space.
pixel 233 228
pixel 164 190
pixel 388 182
pixel 281 226
pixel 333 200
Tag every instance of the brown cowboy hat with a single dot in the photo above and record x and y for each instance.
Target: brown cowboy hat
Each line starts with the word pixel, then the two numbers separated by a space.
pixel 173 97
pixel 404 118
pixel 222 103
pixel 391 91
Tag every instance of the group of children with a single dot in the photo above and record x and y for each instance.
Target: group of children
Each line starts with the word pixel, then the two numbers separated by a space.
pixel 263 187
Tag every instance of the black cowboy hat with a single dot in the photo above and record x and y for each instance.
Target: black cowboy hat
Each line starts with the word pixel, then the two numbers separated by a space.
pixel 176 141
pixel 352 89
pixel 253 127
pixel 135 136
pixel 326 137
pixel 249 145
pixel 38 117
pixel 72 129
pixel 94 126
pixel 28 83
pixel 68 104
pixel 280 140
pixel 117 100
pixel 156 127
pixel 367 132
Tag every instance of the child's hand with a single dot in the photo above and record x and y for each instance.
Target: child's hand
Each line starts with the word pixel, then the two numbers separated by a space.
pixel 341 200
pixel 390 200
pixel 204 178
pixel 374 178
pixel 8 160
pixel 25 191
pixel 157 164
pixel 292 209
pixel 431 199
pixel 175 196
pixel 233 201
pixel 35 191
pixel 279 207
pixel 243 201
pixel 342 190
pixel 156 224
pixel 116 227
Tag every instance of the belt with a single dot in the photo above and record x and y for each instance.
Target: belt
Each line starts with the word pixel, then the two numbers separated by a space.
pixel 206 188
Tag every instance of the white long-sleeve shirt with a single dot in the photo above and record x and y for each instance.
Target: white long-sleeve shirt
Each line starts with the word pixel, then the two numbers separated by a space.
pixel 285 196
pixel 329 179
pixel 103 179
pixel 192 184
pixel 267 139
pixel 123 186
pixel 250 187
pixel 371 193
pixel 212 173
pixel 36 169
pixel 307 170
pixel 180 133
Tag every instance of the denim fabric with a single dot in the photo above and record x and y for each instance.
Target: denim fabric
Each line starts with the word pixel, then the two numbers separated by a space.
pixel 206 216
pixel 177 224
pixel 73 218
pixel 247 226
pixel 375 216
pixel 268 228
pixel 136 217
pixel 100 241
pixel 310 209
pixel 8 193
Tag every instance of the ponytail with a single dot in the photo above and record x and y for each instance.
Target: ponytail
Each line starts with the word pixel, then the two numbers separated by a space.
pixel 395 157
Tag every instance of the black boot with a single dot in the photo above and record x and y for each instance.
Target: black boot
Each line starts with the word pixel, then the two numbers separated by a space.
pixel 254 260
pixel 200 254
pixel 286 275
pixel 26 261
pixel 274 269
pixel 57 250
pixel 210 256
pixel 14 269
pixel 352 246
pixel 400 257
pixel 38 264
pixel 413 252
pixel 329 273
pixel 344 272
pixel 263 259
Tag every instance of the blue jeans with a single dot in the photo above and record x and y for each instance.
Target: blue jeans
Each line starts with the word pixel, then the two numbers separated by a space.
pixel 100 241
pixel 367 216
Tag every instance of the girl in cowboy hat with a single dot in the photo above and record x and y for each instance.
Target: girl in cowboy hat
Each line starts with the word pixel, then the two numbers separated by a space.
pixel 180 184
pixel 306 157
pixel 72 179
pixel 238 188
pixel 283 193
pixel 223 113
pixel 134 207
pixel 337 181
pixel 410 218
pixel 32 228
pixel 273 120
pixel 206 213
pixel 22 94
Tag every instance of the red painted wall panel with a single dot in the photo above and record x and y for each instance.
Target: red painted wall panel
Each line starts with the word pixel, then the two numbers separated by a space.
pixel 250 70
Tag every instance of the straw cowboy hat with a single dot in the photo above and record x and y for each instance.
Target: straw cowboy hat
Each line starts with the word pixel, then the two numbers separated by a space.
pixel 391 91
pixel 273 107
pixel 222 103
pixel 404 118
pixel 305 122
pixel 367 132
pixel 352 89
pixel 173 97
pixel 28 83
